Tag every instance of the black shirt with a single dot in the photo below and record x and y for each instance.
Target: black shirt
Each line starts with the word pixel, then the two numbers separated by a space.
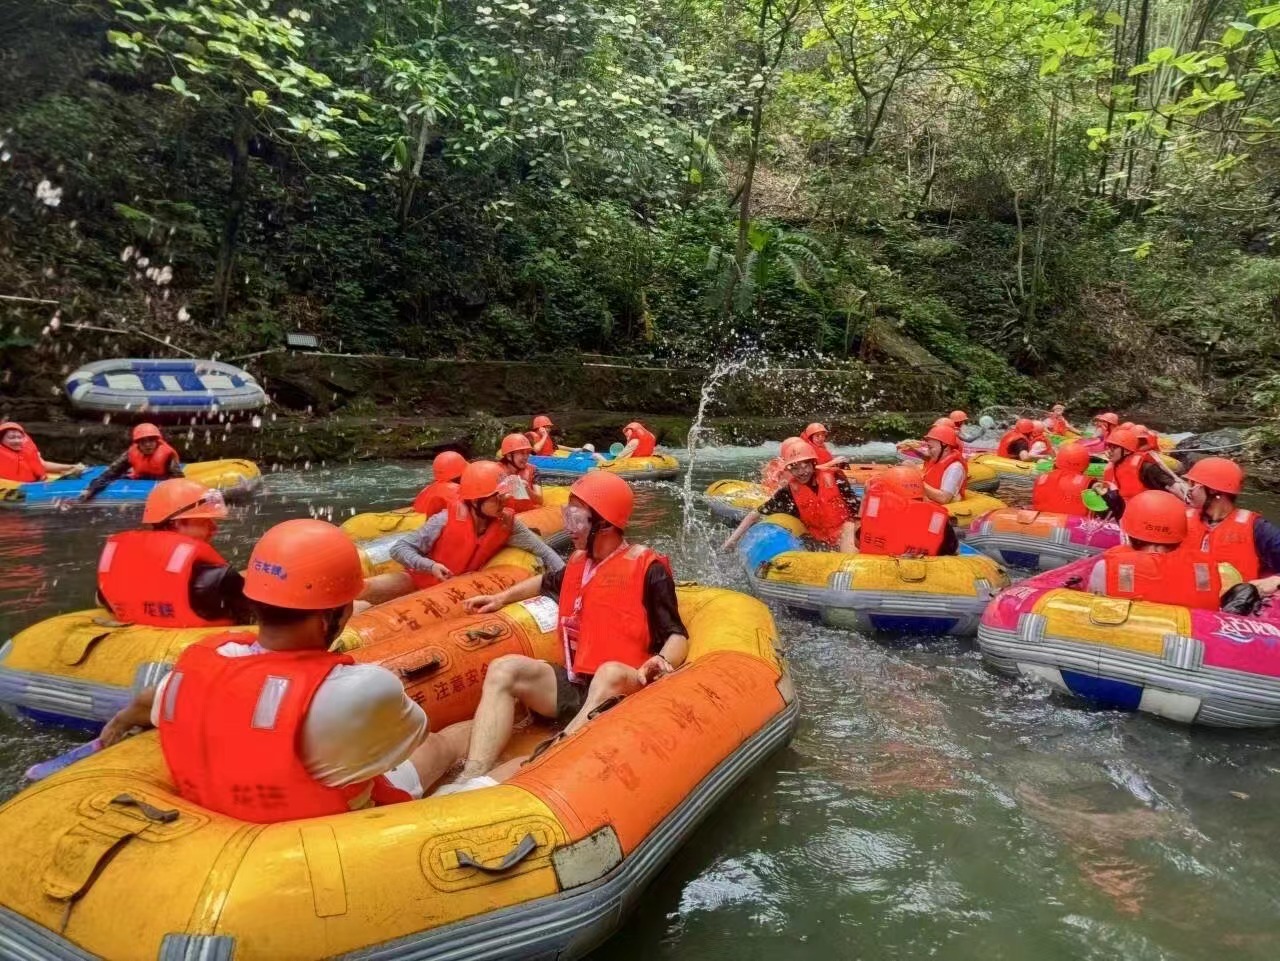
pixel 1018 446
pixel 659 602
pixel 783 503
pixel 217 593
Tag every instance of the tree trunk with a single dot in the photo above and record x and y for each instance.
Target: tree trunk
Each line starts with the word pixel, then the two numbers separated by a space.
pixel 236 203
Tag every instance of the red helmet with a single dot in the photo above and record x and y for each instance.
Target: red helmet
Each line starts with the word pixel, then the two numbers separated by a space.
pixel 944 433
pixel 606 494
pixel 514 443
pixel 812 429
pixel 905 480
pixel 1218 474
pixel 958 417
pixel 304 565
pixel 448 466
pixel 1157 517
pixel 541 421
pixel 182 499
pixel 1072 458
pixel 143 431
pixel 1126 438
pixel 796 449
pixel 1025 426
pixel 1107 418
pixel 481 479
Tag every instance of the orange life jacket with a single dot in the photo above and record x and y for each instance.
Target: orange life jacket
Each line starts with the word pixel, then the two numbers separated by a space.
pixel 544 445
pixel 145 577
pixel 1185 577
pixel 823 510
pixel 1055 425
pixel 934 471
pixel 460 549
pixel 824 456
pixel 155 467
pixel 1230 541
pixel 230 729
pixel 1002 449
pixel 647 443
pixel 894 525
pixel 604 619
pixel 1058 492
pixel 518 486
pixel 23 465
pixel 435 497
pixel 1126 477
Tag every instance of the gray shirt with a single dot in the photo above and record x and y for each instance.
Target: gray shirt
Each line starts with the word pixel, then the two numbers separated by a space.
pixel 412 549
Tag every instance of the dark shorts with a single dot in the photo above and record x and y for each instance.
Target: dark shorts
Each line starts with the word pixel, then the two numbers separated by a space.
pixel 570 695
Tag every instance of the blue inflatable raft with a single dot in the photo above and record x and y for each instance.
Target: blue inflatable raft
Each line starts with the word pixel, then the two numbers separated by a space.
pixel 170 386
pixel 235 478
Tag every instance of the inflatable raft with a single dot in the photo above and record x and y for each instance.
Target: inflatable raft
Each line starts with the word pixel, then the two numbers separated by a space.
pixel 402 520
pixel 732 500
pixel 237 479
pixel 79 669
pixel 565 466
pixel 546 865
pixel 178 386
pixel 1039 540
pixel 1198 667
pixel 921 595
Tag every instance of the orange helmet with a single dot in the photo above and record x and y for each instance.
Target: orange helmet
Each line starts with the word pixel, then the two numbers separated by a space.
pixel 143 431
pixel 11 425
pixel 905 480
pixel 1072 458
pixel 448 465
pixel 1126 438
pixel 1025 426
pixel 304 565
pixel 1155 516
pixel 812 429
pixel 1128 425
pixel 958 417
pixel 481 479
pixel 944 433
pixel 606 494
pixel 796 449
pixel 1217 474
pixel 944 422
pixel 513 443
pixel 1147 439
pixel 1107 418
pixel 541 421
pixel 182 499
pixel 631 428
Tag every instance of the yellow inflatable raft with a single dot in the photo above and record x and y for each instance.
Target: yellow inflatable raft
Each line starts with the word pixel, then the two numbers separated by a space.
pixel 104 859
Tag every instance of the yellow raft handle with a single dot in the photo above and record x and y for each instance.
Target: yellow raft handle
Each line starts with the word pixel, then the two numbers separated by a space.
pixel 517 854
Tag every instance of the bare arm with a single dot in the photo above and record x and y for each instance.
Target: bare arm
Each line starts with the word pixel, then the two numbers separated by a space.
pixel 520 591
pixel 748 522
pixel 136 714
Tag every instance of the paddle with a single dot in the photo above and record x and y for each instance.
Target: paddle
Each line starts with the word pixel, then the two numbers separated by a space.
pixel 1094 501
pixel 38 772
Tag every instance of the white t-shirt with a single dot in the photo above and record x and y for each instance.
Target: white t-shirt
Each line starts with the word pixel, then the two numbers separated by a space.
pixel 360 724
pixel 953 478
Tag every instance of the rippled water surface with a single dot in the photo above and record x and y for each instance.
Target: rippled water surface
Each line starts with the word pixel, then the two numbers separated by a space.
pixel 925 808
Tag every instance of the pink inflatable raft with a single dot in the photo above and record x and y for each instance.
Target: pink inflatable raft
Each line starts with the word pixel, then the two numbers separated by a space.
pixel 1019 537
pixel 1197 667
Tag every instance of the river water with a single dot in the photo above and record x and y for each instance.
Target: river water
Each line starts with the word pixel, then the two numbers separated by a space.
pixel 925 808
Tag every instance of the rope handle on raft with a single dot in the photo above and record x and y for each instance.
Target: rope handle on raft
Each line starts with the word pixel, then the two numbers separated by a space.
pixel 513 857
pixel 150 812
pixel 489 634
pixel 418 670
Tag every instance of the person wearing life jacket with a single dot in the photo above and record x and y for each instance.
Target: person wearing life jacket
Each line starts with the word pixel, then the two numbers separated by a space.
pixel 1104 424
pixel 543 441
pixel 20 459
pixel 1055 422
pixel 1230 534
pixel 897 521
pixel 817 435
pixel 1016 443
pixel 821 499
pixel 524 493
pixel 1130 471
pixel 446 468
pixel 149 457
pixel 958 419
pixel 1156 565
pixel 946 475
pixel 168 574
pixel 641 441
pixel 618 620
pixel 274 726
pixel 461 538
pixel 1060 490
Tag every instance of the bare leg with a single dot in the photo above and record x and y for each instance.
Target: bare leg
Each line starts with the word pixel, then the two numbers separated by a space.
pixel 439 752
pixel 614 679
pixel 848 538
pixel 511 678
pixel 387 587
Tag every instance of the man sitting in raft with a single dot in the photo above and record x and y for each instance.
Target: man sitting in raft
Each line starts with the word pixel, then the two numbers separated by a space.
pixel 168 574
pixel 1130 471
pixel 1061 490
pixel 946 476
pixel 543 443
pixel 523 491
pixel 1017 443
pixel 274 727
pixel 20 459
pixel 149 457
pixel 461 538
pixel 1104 424
pixel 1155 565
pixel 1245 540
pixel 446 469
pixel 897 521
pixel 821 499
pixel 1055 422
pixel 619 621
pixel 640 441
pixel 817 435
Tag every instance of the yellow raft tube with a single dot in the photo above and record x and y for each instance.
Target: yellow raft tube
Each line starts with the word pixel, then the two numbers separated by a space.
pixel 104 859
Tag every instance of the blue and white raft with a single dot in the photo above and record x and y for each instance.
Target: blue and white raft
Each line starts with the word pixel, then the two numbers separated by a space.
pixel 163 386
